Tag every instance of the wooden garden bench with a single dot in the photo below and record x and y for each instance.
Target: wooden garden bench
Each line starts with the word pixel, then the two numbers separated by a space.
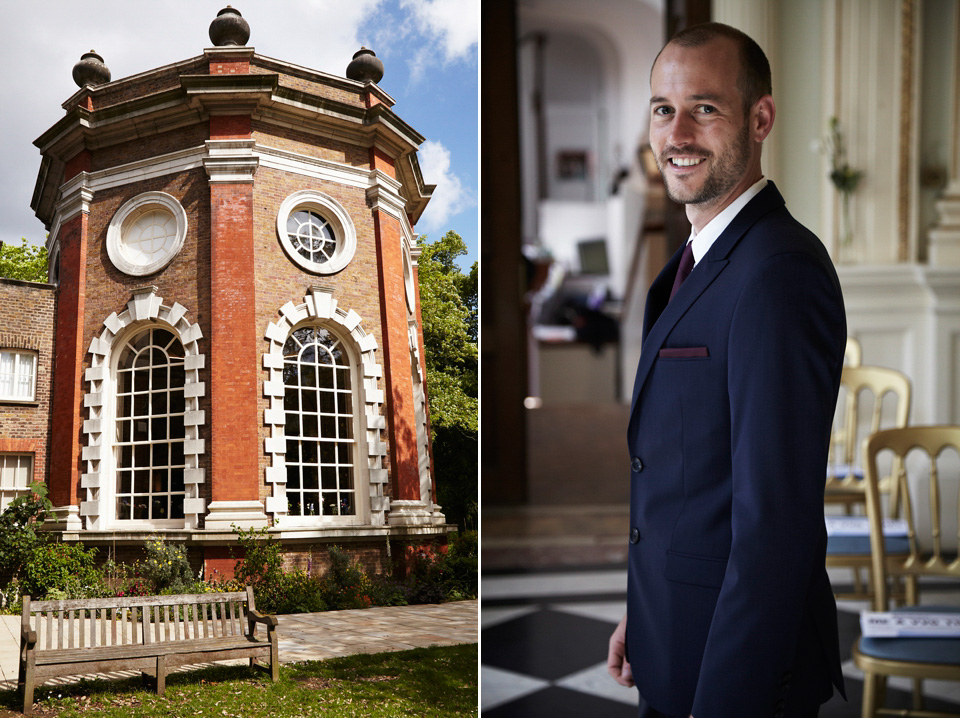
pixel 152 634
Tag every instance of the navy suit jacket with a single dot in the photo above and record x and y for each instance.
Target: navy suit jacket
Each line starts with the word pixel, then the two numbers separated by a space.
pixel 730 611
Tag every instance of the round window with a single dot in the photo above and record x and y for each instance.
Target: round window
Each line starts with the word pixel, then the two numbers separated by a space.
pixel 316 232
pixel 311 236
pixel 146 233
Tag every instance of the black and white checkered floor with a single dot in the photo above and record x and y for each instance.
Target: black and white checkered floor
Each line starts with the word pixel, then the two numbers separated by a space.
pixel 544 641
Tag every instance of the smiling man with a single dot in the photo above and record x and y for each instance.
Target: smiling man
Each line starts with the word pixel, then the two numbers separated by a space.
pixel 730 613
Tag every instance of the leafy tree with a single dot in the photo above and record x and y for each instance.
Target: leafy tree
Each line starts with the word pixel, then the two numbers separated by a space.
pixel 448 304
pixel 27 262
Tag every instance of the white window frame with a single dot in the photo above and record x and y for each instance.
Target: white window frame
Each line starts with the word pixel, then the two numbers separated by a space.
pixel 10 489
pixel 110 510
pixel 128 213
pixel 334 214
pixel 370 477
pixel 359 496
pixel 18 375
pixel 99 478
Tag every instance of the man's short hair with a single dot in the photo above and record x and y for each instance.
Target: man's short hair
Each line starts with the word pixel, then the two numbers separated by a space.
pixel 754 80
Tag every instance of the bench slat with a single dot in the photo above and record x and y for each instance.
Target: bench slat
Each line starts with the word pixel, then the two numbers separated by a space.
pixel 129 601
pixel 223 619
pixel 81 655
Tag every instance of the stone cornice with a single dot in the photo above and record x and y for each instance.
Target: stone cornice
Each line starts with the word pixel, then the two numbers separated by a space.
pixel 416 191
pixel 344 83
pixel 230 161
pixel 75 197
pixel 381 197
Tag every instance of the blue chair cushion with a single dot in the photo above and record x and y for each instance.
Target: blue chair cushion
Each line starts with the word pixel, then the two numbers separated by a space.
pixel 944 651
pixel 857 545
pixel 842 471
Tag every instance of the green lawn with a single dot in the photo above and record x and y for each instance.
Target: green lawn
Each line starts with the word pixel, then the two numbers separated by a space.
pixel 436 682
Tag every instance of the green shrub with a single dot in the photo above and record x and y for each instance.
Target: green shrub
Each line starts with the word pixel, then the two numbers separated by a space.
pixel 61 570
pixel 166 568
pixel 261 567
pixel 346 585
pixel 19 524
pixel 446 576
pixel 300 593
pixel 426 579
pixel 387 591
pixel 461 567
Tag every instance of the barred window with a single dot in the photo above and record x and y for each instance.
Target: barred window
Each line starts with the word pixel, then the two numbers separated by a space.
pixel 319 406
pixel 150 428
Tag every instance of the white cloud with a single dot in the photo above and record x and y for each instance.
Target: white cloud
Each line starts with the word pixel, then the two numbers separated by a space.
pixel 457 22
pixel 450 196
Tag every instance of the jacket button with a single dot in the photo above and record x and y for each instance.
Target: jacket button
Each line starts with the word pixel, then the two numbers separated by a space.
pixel 636 465
pixel 634 535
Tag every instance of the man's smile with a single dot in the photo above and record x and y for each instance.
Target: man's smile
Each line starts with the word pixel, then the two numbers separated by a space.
pixel 686 161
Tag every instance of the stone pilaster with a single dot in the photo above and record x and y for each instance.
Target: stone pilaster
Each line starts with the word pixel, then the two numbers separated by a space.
pixel 945 236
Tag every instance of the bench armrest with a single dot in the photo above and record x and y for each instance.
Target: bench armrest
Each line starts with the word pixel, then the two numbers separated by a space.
pixel 28 637
pixel 257 617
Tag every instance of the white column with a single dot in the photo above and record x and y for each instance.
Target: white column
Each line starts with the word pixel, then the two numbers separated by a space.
pixel 758 19
pixel 945 236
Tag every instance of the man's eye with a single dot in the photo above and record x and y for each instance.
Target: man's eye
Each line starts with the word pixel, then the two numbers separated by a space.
pixel 707 109
pixel 662 110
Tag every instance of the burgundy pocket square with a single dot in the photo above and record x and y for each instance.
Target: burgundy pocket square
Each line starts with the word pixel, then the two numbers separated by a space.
pixel 683 352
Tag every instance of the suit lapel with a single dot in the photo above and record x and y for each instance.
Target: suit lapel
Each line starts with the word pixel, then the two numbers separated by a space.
pixel 658 327
pixel 700 278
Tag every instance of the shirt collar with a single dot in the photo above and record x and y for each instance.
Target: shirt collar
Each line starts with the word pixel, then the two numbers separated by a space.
pixel 704 239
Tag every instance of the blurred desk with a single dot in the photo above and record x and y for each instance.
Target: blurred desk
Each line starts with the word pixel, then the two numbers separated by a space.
pixel 572 372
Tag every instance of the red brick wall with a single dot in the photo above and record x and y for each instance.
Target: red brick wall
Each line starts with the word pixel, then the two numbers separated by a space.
pixel 81 162
pixel 382 161
pixel 230 67
pixel 27 315
pixel 229 127
pixel 67 402
pixel 234 372
pixel 401 420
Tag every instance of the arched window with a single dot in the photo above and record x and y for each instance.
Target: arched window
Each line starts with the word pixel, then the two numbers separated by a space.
pixel 319 425
pixel 149 447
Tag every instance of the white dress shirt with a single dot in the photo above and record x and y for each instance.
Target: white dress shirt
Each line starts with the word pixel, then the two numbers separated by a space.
pixel 704 239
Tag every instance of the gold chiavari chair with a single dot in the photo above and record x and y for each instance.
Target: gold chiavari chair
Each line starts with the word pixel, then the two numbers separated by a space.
pixel 923 505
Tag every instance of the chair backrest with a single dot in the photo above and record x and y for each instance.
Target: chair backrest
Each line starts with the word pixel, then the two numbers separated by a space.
pixel 932 454
pixel 852 354
pixel 857 419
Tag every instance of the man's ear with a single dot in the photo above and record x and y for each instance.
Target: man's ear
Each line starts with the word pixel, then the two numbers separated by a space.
pixel 762 115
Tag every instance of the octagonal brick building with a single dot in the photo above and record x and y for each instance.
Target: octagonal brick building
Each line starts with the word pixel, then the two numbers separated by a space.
pixel 238 336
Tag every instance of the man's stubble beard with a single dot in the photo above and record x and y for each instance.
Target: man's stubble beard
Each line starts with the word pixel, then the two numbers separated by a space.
pixel 722 178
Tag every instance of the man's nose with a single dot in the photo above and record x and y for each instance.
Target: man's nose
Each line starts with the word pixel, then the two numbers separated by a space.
pixel 682 130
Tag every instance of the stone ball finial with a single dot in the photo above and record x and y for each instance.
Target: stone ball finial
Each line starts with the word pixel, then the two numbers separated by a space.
pixel 229 28
pixel 90 70
pixel 365 66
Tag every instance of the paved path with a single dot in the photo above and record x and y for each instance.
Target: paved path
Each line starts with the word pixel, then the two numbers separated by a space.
pixel 317 636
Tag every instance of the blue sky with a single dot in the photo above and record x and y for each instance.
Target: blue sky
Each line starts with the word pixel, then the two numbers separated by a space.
pixel 429 50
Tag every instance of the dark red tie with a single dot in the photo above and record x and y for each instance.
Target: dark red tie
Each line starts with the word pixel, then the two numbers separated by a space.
pixel 683 271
